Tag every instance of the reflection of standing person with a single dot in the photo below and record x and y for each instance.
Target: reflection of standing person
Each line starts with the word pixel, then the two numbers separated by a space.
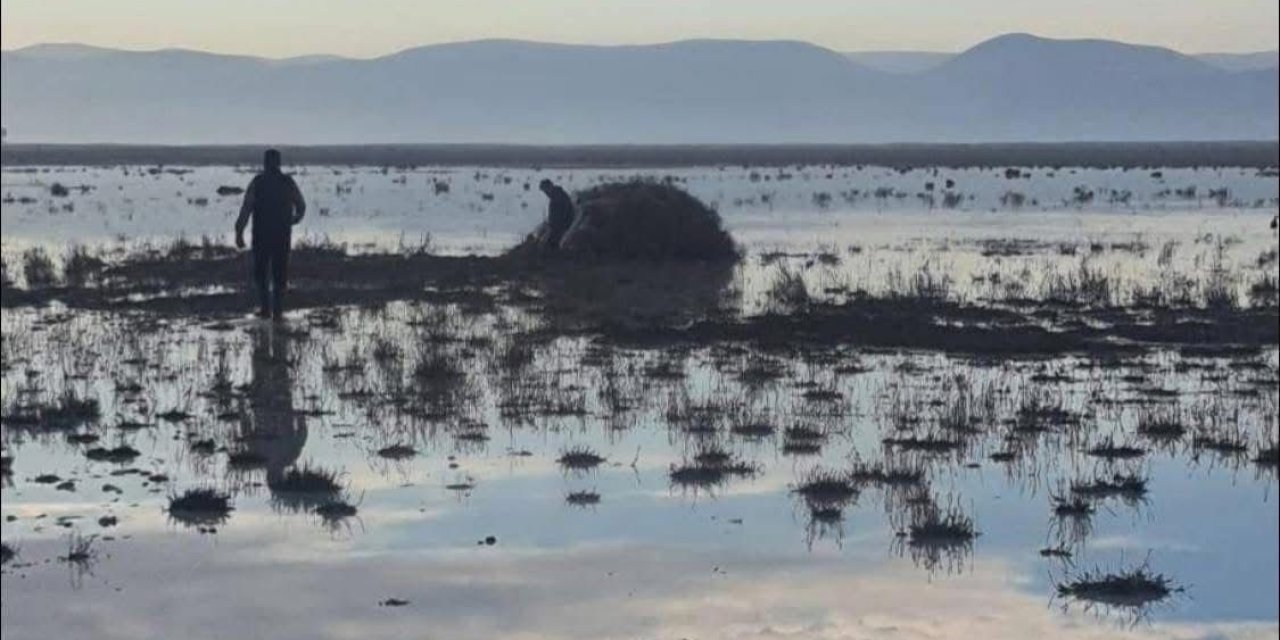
pixel 275 203
pixel 559 213
pixel 277 434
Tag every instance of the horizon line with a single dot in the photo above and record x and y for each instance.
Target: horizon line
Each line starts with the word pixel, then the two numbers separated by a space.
pixel 607 46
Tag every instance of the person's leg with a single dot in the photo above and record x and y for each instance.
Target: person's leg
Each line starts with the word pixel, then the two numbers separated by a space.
pixel 280 277
pixel 261 263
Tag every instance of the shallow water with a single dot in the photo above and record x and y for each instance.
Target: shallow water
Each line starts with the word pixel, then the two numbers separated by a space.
pixel 740 557
pixel 487 209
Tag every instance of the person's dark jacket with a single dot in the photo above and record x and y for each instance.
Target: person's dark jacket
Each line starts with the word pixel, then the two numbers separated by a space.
pixel 276 204
pixel 559 214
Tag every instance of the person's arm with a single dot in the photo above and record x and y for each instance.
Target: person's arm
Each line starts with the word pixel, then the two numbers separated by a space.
pixel 299 204
pixel 246 210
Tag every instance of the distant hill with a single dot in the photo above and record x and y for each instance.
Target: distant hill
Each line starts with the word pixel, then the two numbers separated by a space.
pixel 1242 61
pixel 916 61
pixel 900 61
pixel 1011 88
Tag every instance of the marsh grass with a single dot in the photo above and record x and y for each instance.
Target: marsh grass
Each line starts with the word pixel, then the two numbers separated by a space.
pixel 802 440
pixel 825 488
pixel 397 452
pixel 200 507
pixel 1108 449
pixel 334 511
pixel 1131 589
pixel 753 430
pixel 787 291
pixel 245 459
pixel 1264 291
pixel 929 444
pixel 81 268
pixel 710 467
pixel 1086 286
pixel 736 384
pixel 579 458
pixel 1219 290
pixel 582 498
pixel 438 365
pixel 69 411
pixel 759 370
pixel 1223 443
pixel 692 476
pixel 38 269
pixel 643 219
pixel 307 479
pixel 80 550
pixel 942 528
pixel 1129 487
pixel 1268 456
pixel 121 454
pixel 927 284
pixel 1161 424
pixel 939 536
pixel 1074 506
pixel 865 474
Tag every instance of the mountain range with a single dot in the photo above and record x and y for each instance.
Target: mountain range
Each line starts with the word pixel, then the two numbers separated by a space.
pixel 1015 87
pixel 915 61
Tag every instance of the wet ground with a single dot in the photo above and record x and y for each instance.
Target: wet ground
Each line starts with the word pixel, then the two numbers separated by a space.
pixel 510 461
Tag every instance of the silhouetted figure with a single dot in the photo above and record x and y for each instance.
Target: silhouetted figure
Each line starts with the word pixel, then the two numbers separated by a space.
pixel 275 203
pixel 1275 222
pixel 559 213
pixel 273 431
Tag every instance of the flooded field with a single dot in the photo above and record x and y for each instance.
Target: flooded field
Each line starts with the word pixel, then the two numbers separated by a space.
pixel 928 403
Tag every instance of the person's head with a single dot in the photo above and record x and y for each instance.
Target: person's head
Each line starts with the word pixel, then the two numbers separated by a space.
pixel 271 160
pixel 546 185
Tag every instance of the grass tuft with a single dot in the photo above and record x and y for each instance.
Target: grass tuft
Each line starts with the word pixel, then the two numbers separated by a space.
pixel 1133 588
pixel 823 488
pixel 200 507
pixel 579 458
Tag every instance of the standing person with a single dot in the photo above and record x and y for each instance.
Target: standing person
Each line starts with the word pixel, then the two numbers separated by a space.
pixel 275 203
pixel 559 212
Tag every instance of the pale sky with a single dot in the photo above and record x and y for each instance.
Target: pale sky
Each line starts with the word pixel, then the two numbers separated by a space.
pixel 367 28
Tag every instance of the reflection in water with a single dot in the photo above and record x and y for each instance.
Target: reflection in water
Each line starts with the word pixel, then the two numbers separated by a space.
pixel 588 591
pixel 729 452
pixel 1128 594
pixel 272 432
pixel 696 524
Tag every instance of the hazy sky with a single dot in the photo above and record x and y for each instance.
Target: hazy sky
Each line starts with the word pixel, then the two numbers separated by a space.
pixel 366 28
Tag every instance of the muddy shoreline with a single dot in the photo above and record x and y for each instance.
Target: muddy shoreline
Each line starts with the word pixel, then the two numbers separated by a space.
pixel 653 304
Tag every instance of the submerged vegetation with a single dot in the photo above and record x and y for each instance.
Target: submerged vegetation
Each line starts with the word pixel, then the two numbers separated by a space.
pixel 1131 591
pixel 890 386
pixel 580 459
pixel 200 507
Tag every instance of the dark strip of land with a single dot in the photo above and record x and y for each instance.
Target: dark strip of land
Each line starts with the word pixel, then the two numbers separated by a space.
pixel 1247 154
pixel 648 304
